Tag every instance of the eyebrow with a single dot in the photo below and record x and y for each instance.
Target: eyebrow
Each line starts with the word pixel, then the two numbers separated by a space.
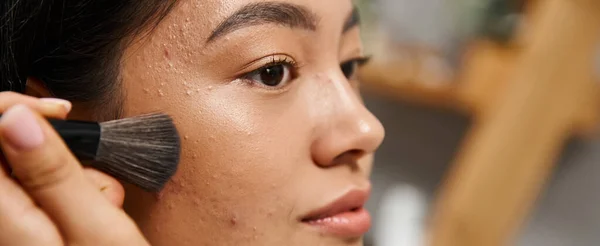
pixel 285 14
pixel 352 21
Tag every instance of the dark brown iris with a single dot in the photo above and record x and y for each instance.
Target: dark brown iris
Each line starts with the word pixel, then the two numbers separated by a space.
pixel 273 75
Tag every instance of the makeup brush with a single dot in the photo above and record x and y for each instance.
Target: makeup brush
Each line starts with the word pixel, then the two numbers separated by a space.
pixel 142 150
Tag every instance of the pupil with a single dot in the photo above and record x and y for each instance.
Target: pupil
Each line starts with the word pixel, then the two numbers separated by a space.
pixel 273 75
pixel 348 69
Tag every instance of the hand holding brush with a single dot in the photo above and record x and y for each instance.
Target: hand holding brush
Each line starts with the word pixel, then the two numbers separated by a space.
pixel 51 199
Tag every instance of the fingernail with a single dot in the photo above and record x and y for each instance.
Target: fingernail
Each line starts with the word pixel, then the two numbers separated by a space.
pixel 21 129
pixel 58 101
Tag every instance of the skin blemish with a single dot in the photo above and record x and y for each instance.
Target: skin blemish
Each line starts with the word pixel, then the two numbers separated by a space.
pixel 159 195
pixel 323 78
pixel 246 169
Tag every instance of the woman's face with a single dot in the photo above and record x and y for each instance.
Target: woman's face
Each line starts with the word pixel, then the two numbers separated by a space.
pixel 276 143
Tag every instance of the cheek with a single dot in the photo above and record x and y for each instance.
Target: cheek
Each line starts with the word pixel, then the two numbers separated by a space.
pixel 240 159
pixel 239 155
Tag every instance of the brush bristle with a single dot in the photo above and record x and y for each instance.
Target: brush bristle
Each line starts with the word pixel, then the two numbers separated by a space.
pixel 142 150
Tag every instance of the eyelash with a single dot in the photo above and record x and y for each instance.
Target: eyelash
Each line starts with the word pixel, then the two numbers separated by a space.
pixel 282 61
pixel 359 62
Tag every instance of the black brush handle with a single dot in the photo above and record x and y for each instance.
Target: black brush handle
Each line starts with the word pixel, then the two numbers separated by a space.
pixel 81 137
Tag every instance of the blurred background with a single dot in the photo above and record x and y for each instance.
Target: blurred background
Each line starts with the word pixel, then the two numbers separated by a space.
pixel 437 64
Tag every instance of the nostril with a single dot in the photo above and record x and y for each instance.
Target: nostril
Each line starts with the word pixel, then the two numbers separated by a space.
pixel 355 153
pixel 348 157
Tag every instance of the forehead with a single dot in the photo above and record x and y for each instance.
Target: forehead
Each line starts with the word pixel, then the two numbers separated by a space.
pixel 180 40
pixel 203 16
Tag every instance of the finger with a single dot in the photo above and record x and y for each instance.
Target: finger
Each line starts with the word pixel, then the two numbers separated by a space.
pixel 107 185
pixel 49 107
pixel 21 222
pixel 50 174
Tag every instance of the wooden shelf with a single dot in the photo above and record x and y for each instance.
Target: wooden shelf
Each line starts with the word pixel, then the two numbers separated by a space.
pixel 393 81
pixel 485 67
pixel 483 76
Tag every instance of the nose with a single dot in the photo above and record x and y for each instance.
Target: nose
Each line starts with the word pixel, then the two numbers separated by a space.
pixel 347 130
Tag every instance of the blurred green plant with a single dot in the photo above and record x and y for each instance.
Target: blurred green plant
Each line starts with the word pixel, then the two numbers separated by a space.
pixel 367 12
pixel 368 21
pixel 496 19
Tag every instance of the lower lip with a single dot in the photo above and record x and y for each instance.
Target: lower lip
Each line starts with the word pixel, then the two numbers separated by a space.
pixel 346 224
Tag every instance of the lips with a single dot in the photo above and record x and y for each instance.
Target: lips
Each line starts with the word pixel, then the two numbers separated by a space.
pixel 345 217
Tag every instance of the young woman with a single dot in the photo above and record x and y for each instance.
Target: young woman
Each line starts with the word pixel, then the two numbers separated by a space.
pixel 276 143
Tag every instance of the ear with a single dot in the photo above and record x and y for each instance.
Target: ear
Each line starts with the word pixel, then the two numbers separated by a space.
pixel 36 88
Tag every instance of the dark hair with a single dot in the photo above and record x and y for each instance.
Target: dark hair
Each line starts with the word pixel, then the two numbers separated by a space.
pixel 73 47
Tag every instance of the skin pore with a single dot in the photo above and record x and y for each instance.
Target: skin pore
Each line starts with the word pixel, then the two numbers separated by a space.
pixel 257 153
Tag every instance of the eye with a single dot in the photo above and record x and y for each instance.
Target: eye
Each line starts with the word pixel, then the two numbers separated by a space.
pixel 349 68
pixel 275 74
